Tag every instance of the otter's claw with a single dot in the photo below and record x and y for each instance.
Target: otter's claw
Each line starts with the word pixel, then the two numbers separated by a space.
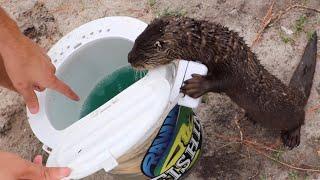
pixel 291 138
pixel 196 86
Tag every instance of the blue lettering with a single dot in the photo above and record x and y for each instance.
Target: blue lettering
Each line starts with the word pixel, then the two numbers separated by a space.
pixel 149 161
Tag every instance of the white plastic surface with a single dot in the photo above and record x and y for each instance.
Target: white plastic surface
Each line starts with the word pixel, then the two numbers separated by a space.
pixel 181 66
pixel 97 140
pixel 110 27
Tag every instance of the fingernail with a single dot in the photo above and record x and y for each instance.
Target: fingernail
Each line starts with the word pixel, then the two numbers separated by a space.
pixel 33 110
pixel 77 98
pixel 64 172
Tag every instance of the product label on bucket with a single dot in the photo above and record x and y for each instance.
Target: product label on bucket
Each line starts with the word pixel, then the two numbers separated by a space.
pixel 176 147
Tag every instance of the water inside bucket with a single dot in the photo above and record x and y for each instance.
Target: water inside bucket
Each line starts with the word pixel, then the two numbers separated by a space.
pixel 82 71
pixel 110 86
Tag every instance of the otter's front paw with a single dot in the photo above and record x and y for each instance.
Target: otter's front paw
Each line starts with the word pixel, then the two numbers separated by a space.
pixel 291 138
pixel 196 86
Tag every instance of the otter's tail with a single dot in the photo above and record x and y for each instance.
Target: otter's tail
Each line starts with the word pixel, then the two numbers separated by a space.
pixel 303 76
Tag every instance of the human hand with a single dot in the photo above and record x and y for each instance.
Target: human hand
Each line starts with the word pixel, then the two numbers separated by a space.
pixel 13 167
pixel 30 69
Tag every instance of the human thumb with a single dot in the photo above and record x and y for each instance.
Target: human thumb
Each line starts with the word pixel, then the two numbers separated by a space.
pixel 56 173
pixel 37 172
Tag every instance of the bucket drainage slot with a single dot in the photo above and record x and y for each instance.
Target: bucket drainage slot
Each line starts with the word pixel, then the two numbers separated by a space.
pixel 79 151
pixel 46 149
pixel 76 46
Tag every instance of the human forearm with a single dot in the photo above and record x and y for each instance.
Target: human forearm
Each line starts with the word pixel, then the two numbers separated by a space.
pixel 9 31
pixel 4 78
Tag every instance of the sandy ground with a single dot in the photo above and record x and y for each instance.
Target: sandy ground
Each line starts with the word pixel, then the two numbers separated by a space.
pixel 46 21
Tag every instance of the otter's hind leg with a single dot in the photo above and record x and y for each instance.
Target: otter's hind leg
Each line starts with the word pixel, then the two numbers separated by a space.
pixel 199 85
pixel 291 138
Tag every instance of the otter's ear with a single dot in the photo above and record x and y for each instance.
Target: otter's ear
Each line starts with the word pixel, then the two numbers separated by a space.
pixel 158 45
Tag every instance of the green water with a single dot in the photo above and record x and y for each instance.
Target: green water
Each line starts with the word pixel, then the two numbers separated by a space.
pixel 110 86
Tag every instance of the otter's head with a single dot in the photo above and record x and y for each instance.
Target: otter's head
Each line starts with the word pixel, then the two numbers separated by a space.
pixel 152 48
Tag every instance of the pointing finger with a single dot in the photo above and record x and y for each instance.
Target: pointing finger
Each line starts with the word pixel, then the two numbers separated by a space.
pixel 61 87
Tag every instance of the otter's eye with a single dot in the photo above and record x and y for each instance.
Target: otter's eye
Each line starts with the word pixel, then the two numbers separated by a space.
pixel 158 45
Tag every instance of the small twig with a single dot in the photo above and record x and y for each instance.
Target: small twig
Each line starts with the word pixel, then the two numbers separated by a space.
pixel 271 18
pixel 248 152
pixel 268 16
pixel 265 22
pixel 313 108
pixel 254 146
pixel 235 139
pixel 285 164
pixel 281 13
pixel 305 7
pixel 238 126
pixel 225 145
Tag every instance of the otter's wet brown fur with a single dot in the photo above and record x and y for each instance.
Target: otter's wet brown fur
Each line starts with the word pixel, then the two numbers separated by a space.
pixel 233 69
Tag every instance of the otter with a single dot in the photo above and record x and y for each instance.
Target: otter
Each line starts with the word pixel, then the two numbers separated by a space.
pixel 233 69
